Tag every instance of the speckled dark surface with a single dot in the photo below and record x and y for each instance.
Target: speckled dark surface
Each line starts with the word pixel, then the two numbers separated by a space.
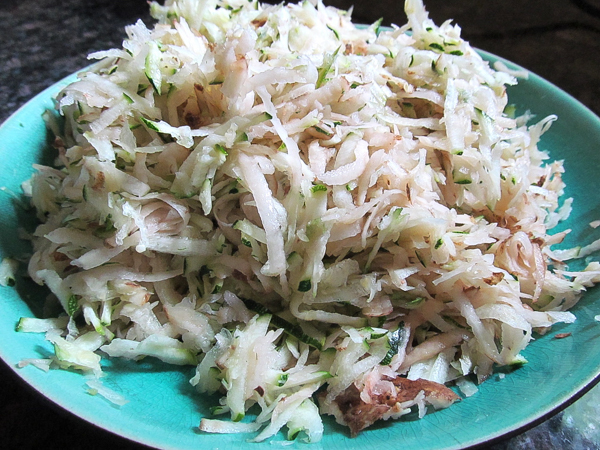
pixel 45 40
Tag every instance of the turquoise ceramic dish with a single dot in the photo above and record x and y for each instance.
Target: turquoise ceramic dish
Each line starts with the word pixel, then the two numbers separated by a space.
pixel 164 411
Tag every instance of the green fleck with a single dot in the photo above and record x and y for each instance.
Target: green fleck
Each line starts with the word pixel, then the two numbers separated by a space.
pixel 322 131
pixel 151 125
pixel 216 410
pixel 456 52
pixel 409 110
pixel 293 434
pixel 377 335
pixel 420 258
pixel 152 68
pixel 105 230
pixel 172 88
pixel 127 98
pixel 434 67
pixel 396 340
pixel 318 188
pixel 282 379
pixel 72 305
pixel 436 46
pixel 328 60
pixel 304 286
pixel 337 36
pixel 377 26
pixel 315 228
pixel 221 149
pixel 414 303
pixel 518 360
pixel 221 244
pixel 510 111
pixel 402 302
pixel 467 181
pixel 483 114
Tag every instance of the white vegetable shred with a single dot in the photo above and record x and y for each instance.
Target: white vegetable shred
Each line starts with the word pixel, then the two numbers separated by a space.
pixel 322 218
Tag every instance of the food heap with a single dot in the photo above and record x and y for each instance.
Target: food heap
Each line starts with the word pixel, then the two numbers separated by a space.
pixel 321 218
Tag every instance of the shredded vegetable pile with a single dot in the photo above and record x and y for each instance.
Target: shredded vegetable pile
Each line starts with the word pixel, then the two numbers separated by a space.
pixel 321 218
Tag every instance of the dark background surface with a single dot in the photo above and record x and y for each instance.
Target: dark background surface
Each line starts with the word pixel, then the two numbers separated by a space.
pixel 45 40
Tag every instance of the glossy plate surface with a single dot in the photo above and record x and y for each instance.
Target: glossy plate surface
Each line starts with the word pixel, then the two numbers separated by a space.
pixel 164 411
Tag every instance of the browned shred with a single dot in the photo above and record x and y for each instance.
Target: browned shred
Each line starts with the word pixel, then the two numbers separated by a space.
pixel 239 275
pixel 58 143
pixel 258 22
pixel 59 256
pixel 537 240
pixel 541 181
pixel 358 414
pixel 561 335
pixel 99 182
pixel 496 278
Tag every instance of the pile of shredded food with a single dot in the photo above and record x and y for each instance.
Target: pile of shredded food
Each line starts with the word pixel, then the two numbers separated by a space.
pixel 321 218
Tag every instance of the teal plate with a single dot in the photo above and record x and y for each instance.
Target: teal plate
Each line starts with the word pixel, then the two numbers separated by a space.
pixel 164 411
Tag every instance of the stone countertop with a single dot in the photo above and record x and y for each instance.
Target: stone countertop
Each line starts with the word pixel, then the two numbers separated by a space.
pixel 45 40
